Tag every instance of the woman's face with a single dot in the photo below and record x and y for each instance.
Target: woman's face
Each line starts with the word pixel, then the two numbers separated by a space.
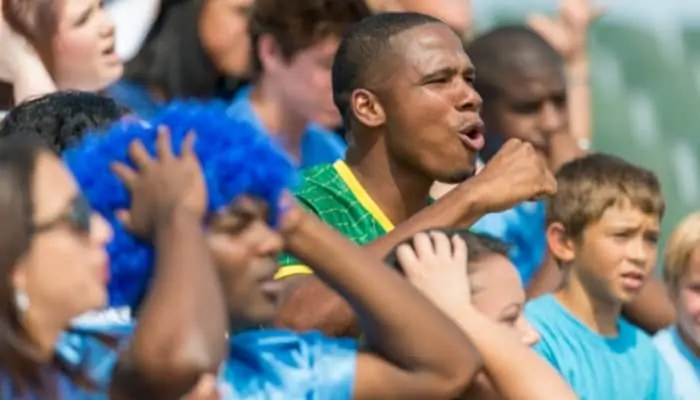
pixel 223 30
pixel 83 46
pixel 65 271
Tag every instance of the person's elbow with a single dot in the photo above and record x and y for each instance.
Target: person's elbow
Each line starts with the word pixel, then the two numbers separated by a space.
pixel 182 361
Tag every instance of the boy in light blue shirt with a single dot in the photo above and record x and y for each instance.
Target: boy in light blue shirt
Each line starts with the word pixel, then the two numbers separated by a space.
pixel 680 343
pixel 602 228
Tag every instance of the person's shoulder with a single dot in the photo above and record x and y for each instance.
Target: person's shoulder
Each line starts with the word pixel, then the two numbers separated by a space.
pixel 322 177
pixel 546 315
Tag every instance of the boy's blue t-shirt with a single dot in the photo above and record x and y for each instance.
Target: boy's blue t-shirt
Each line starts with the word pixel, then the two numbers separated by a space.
pixel 684 364
pixel 318 146
pixel 281 365
pixel 599 368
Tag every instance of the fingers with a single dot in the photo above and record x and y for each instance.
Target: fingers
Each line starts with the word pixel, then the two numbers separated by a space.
pixel 164 147
pixel 408 260
pixel 124 173
pixel 187 146
pixel 139 155
pixel 460 252
pixel 423 245
pixel 443 247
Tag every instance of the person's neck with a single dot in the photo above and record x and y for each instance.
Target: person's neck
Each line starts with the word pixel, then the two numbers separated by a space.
pixel 276 117
pixel 599 315
pixel 691 344
pixel 398 190
pixel 44 330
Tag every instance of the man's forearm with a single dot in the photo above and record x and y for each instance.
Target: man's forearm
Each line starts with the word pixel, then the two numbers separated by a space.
pixel 310 304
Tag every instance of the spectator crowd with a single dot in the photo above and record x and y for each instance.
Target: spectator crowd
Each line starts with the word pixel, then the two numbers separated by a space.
pixel 325 199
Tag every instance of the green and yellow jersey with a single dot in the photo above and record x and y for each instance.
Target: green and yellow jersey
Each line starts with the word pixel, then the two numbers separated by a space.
pixel 332 192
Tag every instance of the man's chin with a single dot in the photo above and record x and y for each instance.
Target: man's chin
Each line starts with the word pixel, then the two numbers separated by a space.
pixel 458 176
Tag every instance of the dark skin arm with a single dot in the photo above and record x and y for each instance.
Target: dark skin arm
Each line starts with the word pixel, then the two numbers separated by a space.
pixel 312 305
pixel 424 356
pixel 170 350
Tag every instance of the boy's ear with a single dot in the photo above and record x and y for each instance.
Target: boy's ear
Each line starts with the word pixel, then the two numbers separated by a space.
pixel 560 244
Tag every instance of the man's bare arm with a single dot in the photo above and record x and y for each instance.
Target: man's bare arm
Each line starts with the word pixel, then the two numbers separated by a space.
pixel 515 174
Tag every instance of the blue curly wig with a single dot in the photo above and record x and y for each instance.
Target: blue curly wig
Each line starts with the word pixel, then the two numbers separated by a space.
pixel 236 160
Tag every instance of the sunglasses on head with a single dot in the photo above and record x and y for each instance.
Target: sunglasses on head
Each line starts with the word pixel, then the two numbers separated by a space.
pixel 77 216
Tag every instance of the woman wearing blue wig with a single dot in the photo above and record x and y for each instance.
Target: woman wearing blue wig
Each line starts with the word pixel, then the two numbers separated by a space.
pixel 415 352
pixel 54 267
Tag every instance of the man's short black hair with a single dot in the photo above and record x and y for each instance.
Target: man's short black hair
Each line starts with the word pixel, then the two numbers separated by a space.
pixel 479 245
pixel 506 51
pixel 364 48
pixel 61 118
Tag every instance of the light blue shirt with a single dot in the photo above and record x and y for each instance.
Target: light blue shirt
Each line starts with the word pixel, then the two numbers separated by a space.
pixel 625 367
pixel 318 146
pixel 262 364
pixel 282 365
pixel 84 349
pixel 685 366
pixel 523 229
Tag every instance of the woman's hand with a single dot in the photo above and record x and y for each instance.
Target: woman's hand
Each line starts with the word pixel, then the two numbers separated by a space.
pixel 437 266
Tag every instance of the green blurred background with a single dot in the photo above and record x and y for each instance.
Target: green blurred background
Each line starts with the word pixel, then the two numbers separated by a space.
pixel 645 65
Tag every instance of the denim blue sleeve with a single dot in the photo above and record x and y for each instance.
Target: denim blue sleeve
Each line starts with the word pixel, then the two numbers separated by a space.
pixel 93 345
pixel 275 364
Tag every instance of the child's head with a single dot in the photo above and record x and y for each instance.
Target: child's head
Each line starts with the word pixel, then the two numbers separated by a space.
pixel 497 290
pixel 604 224
pixel 682 275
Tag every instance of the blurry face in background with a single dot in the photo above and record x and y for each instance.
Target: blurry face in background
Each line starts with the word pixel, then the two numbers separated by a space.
pixel 223 30
pixel 498 293
pixel 686 297
pixel 84 55
pixel 245 249
pixel 530 106
pixel 304 81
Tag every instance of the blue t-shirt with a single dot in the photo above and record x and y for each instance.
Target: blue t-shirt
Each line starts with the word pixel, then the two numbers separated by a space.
pixel 281 365
pixel 596 367
pixel 523 228
pixel 318 146
pixel 135 98
pixel 685 366
pixel 83 349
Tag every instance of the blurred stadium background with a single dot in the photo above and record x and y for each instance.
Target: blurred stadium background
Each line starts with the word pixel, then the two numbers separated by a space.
pixel 645 64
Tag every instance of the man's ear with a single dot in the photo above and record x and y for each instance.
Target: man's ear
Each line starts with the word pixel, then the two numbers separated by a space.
pixel 367 108
pixel 560 244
